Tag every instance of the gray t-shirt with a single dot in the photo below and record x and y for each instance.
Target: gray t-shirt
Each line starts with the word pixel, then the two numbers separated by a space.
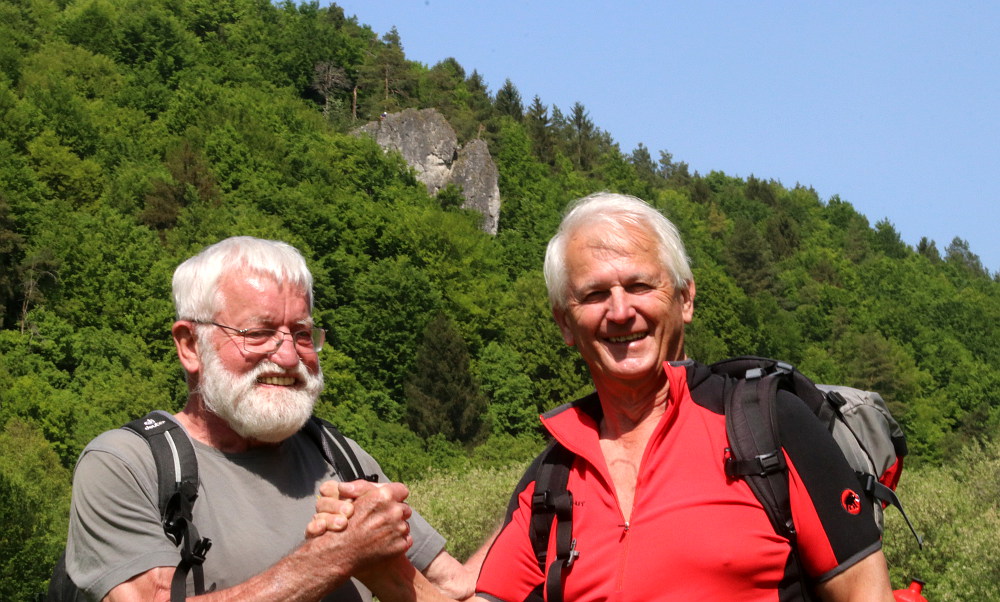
pixel 254 506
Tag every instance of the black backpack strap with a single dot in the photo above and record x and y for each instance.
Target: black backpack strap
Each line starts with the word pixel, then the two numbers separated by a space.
pixel 755 452
pixel 888 497
pixel 336 450
pixel 552 501
pixel 177 484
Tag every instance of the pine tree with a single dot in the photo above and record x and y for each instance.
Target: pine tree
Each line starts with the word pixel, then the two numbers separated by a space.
pixel 540 131
pixel 441 394
pixel 508 101
pixel 584 137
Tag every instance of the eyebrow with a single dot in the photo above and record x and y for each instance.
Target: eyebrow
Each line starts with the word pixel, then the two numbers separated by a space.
pixel 647 277
pixel 264 322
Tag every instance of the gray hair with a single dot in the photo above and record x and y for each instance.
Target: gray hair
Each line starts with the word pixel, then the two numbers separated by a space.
pixel 196 281
pixel 619 213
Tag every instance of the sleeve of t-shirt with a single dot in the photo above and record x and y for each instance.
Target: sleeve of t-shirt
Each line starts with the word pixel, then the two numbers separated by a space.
pixel 427 542
pixel 114 527
pixel 834 521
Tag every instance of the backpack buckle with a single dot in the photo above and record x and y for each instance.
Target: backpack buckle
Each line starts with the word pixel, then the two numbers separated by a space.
pixel 770 462
pixel 729 464
pixel 540 500
pixel 573 554
pixel 761 465
pixel 199 550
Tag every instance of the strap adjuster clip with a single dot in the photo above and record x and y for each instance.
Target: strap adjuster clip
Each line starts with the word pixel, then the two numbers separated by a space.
pixel 573 554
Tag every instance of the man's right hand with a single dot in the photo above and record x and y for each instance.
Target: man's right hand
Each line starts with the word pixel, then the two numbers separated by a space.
pixel 366 521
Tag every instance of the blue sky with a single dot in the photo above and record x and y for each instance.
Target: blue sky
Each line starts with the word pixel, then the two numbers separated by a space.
pixel 891 105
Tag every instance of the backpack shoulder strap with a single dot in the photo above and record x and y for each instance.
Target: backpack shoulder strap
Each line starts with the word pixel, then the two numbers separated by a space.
pixel 173 453
pixel 755 452
pixel 177 486
pixel 552 501
pixel 336 450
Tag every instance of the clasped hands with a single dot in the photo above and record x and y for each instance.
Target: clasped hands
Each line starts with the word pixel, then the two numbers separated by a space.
pixel 372 516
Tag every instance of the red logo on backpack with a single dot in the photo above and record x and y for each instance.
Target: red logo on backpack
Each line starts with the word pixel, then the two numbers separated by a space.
pixel 851 501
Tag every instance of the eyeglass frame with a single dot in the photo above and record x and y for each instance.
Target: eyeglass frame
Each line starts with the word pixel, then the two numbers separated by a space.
pixel 312 330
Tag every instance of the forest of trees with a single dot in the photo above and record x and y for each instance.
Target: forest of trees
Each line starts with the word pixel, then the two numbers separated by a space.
pixel 134 133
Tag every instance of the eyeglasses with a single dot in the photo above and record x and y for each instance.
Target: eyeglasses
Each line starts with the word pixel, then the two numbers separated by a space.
pixel 268 340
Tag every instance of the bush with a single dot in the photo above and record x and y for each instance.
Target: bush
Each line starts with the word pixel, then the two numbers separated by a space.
pixel 957 511
pixel 467 506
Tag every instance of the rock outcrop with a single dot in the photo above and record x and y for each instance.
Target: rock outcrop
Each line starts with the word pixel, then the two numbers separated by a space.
pixel 429 144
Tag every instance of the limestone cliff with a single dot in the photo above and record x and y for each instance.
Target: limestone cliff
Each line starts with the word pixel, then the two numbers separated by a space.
pixel 429 144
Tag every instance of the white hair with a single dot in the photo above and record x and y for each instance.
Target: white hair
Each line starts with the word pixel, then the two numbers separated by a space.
pixel 618 213
pixel 196 281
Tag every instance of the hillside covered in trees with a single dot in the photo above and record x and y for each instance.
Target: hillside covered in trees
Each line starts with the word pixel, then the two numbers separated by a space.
pixel 133 134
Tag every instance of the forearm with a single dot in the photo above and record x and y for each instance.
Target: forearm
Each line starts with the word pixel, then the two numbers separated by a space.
pixel 474 563
pixel 397 581
pixel 307 574
pixel 451 577
pixel 304 575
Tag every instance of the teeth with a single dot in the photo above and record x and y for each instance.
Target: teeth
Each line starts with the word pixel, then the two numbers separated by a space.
pixel 627 338
pixel 284 381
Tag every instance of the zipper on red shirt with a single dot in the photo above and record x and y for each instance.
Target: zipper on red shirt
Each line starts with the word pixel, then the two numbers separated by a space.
pixel 620 584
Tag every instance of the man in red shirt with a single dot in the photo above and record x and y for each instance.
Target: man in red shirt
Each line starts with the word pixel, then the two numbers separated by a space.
pixel 654 516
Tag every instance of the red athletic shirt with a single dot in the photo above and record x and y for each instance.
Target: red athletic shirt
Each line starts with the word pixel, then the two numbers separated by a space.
pixel 693 534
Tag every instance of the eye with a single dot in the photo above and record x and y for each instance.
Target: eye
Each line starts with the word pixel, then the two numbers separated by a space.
pixel 595 296
pixel 304 338
pixel 258 336
pixel 637 288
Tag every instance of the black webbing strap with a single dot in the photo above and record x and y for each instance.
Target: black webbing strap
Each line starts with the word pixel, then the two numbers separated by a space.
pixel 887 496
pixel 193 550
pixel 755 452
pixel 550 502
pixel 177 482
pixel 336 450
pixel 566 551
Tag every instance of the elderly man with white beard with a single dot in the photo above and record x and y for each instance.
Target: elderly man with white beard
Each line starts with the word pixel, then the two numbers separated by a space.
pixel 246 340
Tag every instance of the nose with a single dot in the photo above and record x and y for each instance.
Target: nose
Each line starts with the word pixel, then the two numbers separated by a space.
pixel 620 308
pixel 285 355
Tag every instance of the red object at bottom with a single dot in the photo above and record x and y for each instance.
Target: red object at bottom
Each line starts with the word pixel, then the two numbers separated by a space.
pixel 912 593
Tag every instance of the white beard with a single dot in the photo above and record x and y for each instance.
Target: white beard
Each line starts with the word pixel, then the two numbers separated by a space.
pixel 264 414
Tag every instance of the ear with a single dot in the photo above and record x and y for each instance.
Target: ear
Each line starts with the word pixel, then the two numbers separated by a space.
pixel 687 301
pixel 186 342
pixel 562 321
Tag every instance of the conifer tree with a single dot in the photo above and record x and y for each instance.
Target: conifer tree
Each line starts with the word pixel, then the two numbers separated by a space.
pixel 539 128
pixel 508 101
pixel 584 137
pixel 441 394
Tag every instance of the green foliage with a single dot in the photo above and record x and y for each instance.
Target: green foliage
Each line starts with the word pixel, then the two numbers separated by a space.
pixel 956 508
pixel 34 515
pixel 511 407
pixel 749 257
pixel 465 507
pixel 508 101
pixel 442 397
pixel 718 330
pixel 381 327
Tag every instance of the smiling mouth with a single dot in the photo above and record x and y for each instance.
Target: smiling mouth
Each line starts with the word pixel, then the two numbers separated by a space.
pixel 284 381
pixel 628 338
